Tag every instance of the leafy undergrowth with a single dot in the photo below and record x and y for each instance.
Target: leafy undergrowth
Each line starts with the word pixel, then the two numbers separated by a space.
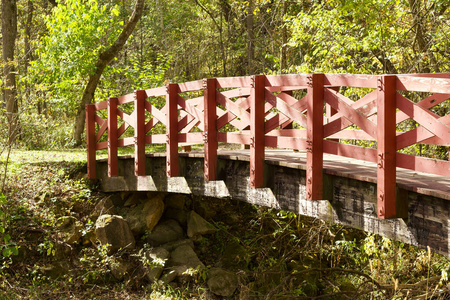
pixel 276 254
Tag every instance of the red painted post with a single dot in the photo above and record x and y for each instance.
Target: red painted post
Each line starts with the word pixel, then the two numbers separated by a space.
pixel 139 133
pixel 112 137
pixel 90 141
pixel 210 134
pixel 172 129
pixel 257 101
pixel 386 141
pixel 314 131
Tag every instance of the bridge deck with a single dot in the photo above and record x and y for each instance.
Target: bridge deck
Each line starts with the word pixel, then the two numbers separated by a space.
pixel 422 183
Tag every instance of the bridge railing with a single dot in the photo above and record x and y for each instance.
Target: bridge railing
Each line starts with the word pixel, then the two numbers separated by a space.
pixel 303 112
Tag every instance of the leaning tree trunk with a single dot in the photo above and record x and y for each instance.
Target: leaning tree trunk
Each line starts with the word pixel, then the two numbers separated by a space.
pixel 103 60
pixel 9 33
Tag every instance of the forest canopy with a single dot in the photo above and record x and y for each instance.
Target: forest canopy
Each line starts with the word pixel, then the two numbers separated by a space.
pixel 52 52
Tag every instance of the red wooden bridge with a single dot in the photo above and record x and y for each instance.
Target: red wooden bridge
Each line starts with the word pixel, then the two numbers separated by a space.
pixel 379 119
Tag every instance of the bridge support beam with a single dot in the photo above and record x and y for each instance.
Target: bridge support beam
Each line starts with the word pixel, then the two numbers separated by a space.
pixel 314 131
pixel 210 133
pixel 139 133
pixel 257 100
pixel 172 129
pixel 112 137
pixel 386 153
pixel 91 141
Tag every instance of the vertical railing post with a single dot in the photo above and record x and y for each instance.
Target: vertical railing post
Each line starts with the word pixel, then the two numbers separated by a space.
pixel 112 137
pixel 139 133
pixel 314 131
pixel 91 141
pixel 210 133
pixel 257 100
pixel 172 129
pixel 386 144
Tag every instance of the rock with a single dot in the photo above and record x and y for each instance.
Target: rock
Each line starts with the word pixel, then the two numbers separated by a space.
pixel 103 207
pixel 221 282
pixel 185 256
pixel 196 225
pixel 180 215
pixel 165 232
pixel 70 228
pixel 119 268
pixel 176 201
pixel 154 263
pixel 114 231
pixel 169 276
pixel 135 199
pixel 175 244
pixel 145 216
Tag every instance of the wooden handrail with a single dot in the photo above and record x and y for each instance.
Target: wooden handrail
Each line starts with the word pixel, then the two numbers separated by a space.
pixel 262 110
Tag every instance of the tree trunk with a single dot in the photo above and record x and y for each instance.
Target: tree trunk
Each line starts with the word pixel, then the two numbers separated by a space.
pixel 27 46
pixel 103 60
pixel 283 56
pixel 250 37
pixel 9 33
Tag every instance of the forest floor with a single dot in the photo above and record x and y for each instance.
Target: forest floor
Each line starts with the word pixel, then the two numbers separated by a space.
pixel 284 256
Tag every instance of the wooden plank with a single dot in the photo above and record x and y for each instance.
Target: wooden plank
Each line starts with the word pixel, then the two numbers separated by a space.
pixel 386 151
pixel 102 129
pixel 340 103
pixel 423 84
pixel 90 141
pixel 424 117
pixel 172 130
pixel 190 86
pixel 191 138
pixel 234 138
pixel 287 80
pixel 423 164
pixel 287 110
pixel 125 99
pixel 156 113
pixel 112 137
pixel 101 105
pixel 156 92
pixel 139 133
pixel 286 142
pixel 257 98
pixel 155 139
pixel 233 108
pixel 314 156
pixel 233 82
pixel 129 141
pixel 422 135
pixel 210 132
pixel 351 151
pixel 351 80
pixel 426 103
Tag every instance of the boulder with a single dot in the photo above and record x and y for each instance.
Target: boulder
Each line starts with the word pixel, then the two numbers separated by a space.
pixel 235 255
pixel 119 268
pixel 70 229
pixel 165 232
pixel 180 215
pixel 145 216
pixel 176 201
pixel 184 256
pixel 104 207
pixel 155 260
pixel 114 231
pixel 197 226
pixel 169 276
pixel 222 282
pixel 175 244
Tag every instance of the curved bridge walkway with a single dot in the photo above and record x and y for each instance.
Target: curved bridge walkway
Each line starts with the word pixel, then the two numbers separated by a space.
pixel 339 147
